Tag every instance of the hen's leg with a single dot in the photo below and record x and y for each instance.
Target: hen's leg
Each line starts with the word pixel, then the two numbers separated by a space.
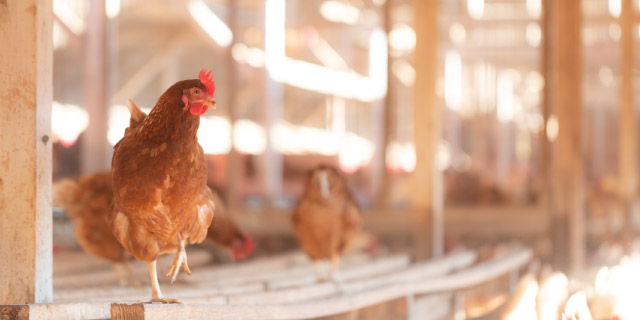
pixel 335 266
pixel 179 261
pixel 156 294
pixel 317 265
pixel 131 280
pixel 118 269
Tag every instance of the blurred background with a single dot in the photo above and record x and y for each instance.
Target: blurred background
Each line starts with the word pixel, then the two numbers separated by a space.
pixel 458 123
pixel 300 83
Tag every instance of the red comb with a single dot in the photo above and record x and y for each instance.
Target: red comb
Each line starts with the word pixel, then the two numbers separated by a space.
pixel 207 80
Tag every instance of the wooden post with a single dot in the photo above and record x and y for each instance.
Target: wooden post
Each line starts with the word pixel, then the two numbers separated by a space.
pixel 94 140
pixel 564 85
pixel 26 69
pixel 426 191
pixel 628 151
pixel 233 163
pixel 387 122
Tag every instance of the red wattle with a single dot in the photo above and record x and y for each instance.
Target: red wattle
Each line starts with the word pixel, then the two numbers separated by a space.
pixel 196 109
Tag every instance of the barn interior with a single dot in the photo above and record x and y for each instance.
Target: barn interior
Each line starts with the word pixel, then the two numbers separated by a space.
pixel 491 146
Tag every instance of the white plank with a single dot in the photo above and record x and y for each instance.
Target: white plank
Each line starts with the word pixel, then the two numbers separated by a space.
pixel 478 274
pixel 107 276
pixel 261 272
pixel 25 150
pixel 361 278
pixel 67 311
pixel 353 267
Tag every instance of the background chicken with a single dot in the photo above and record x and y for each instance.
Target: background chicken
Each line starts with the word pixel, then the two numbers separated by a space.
pixel 226 233
pixel 161 199
pixel 87 201
pixel 327 218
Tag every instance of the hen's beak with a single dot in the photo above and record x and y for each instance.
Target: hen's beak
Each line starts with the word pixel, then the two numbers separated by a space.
pixel 211 104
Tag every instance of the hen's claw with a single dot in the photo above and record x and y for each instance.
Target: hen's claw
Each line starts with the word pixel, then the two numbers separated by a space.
pixel 164 301
pixel 179 261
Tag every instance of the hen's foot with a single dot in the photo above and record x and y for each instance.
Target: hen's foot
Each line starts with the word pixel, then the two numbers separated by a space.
pixel 164 301
pixel 179 261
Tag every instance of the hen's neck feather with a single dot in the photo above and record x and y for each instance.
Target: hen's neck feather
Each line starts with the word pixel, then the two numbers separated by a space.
pixel 167 120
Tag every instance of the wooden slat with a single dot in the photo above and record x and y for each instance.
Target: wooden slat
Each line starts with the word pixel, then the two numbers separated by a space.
pixel 347 272
pixel 26 63
pixel 478 274
pixel 65 311
pixel 394 309
pixel 416 272
pixel 323 289
pixel 107 276
pixel 251 273
pixel 128 294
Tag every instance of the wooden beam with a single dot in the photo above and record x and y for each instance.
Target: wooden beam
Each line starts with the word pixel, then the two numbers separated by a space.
pixel 564 96
pixel 628 148
pixel 385 122
pixel 149 71
pixel 94 139
pixel 76 42
pixel 234 169
pixel 426 198
pixel 26 70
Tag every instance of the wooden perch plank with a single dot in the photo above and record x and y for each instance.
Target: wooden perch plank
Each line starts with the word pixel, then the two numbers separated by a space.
pixel 197 259
pixel 26 63
pixel 416 272
pixel 80 310
pixel 478 274
pixel 360 278
pixel 251 273
pixel 349 270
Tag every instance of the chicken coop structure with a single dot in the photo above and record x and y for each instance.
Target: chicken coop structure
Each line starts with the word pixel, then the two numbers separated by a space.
pixel 566 62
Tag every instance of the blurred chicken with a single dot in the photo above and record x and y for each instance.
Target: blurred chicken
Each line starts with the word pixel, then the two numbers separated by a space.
pixel 327 218
pixel 225 232
pixel 87 201
pixel 159 171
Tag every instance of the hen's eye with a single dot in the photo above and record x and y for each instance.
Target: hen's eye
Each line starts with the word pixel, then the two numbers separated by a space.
pixel 196 91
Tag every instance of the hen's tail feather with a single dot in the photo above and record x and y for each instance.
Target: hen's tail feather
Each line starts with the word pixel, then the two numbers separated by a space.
pixel 137 116
pixel 63 193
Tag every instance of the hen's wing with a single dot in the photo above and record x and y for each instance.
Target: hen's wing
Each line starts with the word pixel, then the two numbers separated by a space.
pixel 197 228
pixel 351 225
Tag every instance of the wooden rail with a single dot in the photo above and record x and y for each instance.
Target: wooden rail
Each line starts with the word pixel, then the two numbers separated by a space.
pixel 282 287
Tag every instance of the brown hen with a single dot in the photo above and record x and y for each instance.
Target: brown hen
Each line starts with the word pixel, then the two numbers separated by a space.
pixel 326 219
pixel 88 199
pixel 161 199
